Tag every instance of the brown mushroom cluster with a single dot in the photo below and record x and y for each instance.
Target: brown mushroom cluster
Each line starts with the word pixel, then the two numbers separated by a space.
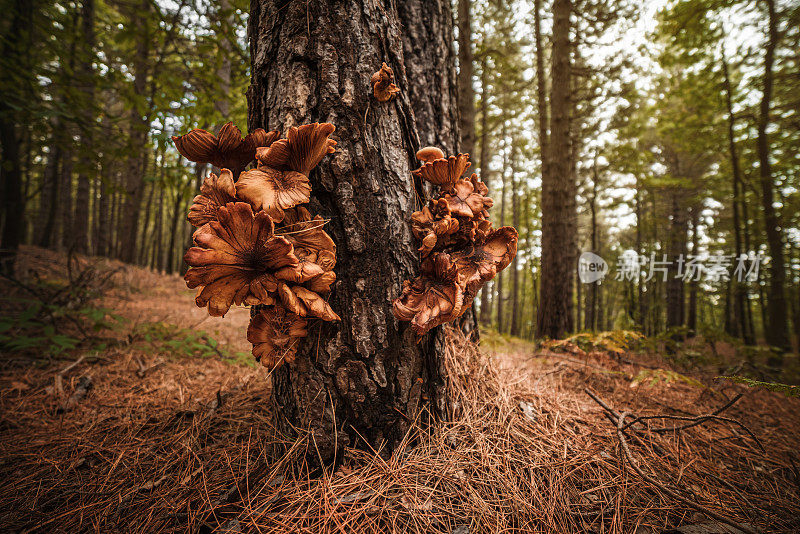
pixel 460 250
pixel 255 243
pixel 383 87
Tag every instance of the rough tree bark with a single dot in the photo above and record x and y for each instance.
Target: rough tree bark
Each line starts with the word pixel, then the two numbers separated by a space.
pixel 358 382
pixel 554 316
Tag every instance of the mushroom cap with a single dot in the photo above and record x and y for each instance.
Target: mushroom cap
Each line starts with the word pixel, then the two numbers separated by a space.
pixel 444 172
pixel 227 150
pixel 429 153
pixel 215 192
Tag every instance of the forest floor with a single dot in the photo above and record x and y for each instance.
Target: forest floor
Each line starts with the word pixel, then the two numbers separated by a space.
pixel 146 416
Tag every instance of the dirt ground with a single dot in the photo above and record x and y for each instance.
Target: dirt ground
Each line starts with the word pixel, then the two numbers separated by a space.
pixel 184 443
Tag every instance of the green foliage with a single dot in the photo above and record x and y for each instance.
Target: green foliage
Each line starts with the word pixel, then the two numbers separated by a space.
pixel 786 389
pixel 53 329
pixel 174 341
pixel 667 376
pixel 614 341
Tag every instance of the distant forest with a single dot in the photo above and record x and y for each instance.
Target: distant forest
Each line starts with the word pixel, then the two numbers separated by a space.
pixel 650 135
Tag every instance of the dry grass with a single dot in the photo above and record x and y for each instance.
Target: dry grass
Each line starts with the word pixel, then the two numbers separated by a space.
pixel 527 451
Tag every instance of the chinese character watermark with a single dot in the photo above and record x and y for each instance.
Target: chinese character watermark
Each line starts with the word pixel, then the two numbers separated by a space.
pixel 688 268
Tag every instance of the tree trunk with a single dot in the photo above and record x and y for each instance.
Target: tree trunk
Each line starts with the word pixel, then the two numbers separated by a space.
pixel 500 278
pixel 775 329
pixel 66 233
pixel 11 188
pixel 87 167
pixel 173 229
pixel 558 192
pixel 15 49
pixel 591 291
pixel 48 199
pixel 514 329
pixel 358 382
pixel 541 85
pixel 691 320
pixel 427 35
pixel 483 162
pixel 740 288
pixel 134 177
pixel 466 94
pixel 676 249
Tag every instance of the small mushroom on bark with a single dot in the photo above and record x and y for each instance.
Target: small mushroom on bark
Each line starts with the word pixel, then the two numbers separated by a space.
pixel 429 153
pixel 481 262
pixel 227 150
pixel 443 172
pixel 383 87
pixel 464 201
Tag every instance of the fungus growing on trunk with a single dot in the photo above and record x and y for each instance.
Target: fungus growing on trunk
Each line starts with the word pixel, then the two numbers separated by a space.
pixel 215 192
pixel 460 250
pixel 276 335
pixel 442 171
pixel 255 244
pixel 228 150
pixel 383 87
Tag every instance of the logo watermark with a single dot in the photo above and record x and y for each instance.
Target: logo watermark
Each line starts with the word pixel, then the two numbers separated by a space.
pixel 591 268
pixel 708 267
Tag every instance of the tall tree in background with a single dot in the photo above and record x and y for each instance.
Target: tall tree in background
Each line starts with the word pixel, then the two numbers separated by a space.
pixel 365 378
pixel 776 327
pixel 16 33
pixel 466 94
pixel 554 316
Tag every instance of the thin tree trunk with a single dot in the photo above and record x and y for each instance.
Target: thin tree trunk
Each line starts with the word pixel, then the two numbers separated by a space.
pixel 66 233
pixel 740 289
pixel 500 278
pixel 676 250
pixel 48 201
pixel 134 177
pixel 483 162
pixel 558 192
pixel 87 167
pixel 146 239
pixel 515 303
pixel 691 320
pixel 466 94
pixel 173 230
pixel 776 331
pixel 591 291
pixel 358 382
